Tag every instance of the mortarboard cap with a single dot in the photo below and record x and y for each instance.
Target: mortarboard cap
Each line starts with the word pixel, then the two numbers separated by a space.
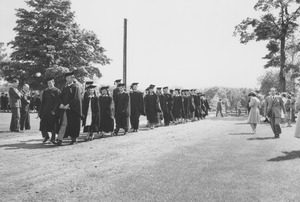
pixel 121 84
pixel 104 87
pixel 166 87
pixel 133 84
pixel 69 74
pixel 151 86
pixel 118 80
pixel 158 88
pixel 89 82
pixel 91 87
pixel 177 89
pixel 50 78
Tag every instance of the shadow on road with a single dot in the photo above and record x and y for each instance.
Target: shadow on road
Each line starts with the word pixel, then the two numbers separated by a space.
pixel 240 134
pixel 260 138
pixel 288 156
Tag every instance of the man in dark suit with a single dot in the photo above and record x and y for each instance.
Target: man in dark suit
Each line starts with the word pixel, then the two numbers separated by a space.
pixel 15 104
pixel 273 106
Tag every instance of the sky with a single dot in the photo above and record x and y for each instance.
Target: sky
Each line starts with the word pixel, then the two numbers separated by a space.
pixel 176 43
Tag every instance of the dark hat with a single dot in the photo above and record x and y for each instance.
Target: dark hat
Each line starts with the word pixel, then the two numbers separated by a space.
pixel 89 82
pixel 121 84
pixel 166 87
pixel 118 80
pixel 177 89
pixel 151 86
pixel 49 78
pixel 252 94
pixel 133 84
pixel 158 88
pixel 69 74
pixel 91 86
pixel 104 87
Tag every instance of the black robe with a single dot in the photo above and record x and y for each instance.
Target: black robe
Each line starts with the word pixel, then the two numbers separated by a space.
pixel 72 95
pixel 151 107
pixel 177 107
pixel 197 105
pixel 122 110
pixel 205 102
pixel 164 102
pixel 186 107
pixel 106 114
pixel 95 113
pixel 137 108
pixel 49 112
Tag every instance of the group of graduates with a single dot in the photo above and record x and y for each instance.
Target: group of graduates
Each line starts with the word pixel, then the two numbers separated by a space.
pixel 64 112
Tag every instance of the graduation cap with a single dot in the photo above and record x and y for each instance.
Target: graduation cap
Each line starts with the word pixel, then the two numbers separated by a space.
pixel 151 86
pixel 118 81
pixel 177 89
pixel 89 82
pixel 104 88
pixel 171 90
pixel 121 85
pixel 69 74
pixel 49 78
pixel 133 84
pixel 91 87
pixel 158 88
pixel 166 87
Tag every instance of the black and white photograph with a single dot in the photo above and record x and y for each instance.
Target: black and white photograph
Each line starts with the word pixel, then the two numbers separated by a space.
pixel 149 100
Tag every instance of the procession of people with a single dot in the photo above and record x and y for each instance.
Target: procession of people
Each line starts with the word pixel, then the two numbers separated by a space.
pixel 66 112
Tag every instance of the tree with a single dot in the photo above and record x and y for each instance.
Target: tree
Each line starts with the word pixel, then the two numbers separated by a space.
pixel 276 25
pixel 271 79
pixel 50 42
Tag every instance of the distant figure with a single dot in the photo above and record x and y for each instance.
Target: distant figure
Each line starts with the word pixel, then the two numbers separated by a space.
pixel 219 108
pixel 15 105
pixel 106 124
pixel 273 106
pixel 137 107
pixel 254 117
pixel 297 110
pixel 288 110
pixel 293 106
pixel 25 101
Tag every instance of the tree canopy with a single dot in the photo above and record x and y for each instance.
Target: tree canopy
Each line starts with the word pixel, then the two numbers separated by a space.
pixel 50 42
pixel 276 25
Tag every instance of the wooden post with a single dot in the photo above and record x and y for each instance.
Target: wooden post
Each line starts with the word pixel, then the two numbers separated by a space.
pixel 125 53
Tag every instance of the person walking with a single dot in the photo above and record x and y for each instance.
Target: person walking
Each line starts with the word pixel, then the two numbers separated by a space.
pixel 219 108
pixel 71 110
pixel 49 112
pixel 273 106
pixel 15 105
pixel 106 124
pixel 137 107
pixel 297 111
pixel 24 110
pixel 122 110
pixel 253 117
pixel 90 112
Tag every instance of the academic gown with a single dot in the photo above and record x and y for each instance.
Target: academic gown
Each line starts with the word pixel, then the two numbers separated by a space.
pixel 50 103
pixel 186 107
pixel 197 106
pixel 106 114
pixel 95 109
pixel 151 103
pixel 137 108
pixel 72 95
pixel 177 107
pixel 122 110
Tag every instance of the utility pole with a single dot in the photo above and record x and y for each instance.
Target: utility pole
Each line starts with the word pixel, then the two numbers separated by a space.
pixel 125 53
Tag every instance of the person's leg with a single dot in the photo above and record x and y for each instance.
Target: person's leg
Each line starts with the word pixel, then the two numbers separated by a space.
pixel 22 119
pixel 62 128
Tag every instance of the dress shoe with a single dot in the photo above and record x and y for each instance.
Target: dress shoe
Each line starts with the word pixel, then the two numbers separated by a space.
pixel 59 143
pixel 53 142
pixel 73 142
pixel 45 139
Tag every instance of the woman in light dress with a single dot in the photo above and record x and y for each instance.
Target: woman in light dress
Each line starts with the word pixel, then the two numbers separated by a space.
pixel 297 108
pixel 253 118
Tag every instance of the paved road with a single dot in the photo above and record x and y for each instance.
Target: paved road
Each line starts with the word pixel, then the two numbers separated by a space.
pixel 211 160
